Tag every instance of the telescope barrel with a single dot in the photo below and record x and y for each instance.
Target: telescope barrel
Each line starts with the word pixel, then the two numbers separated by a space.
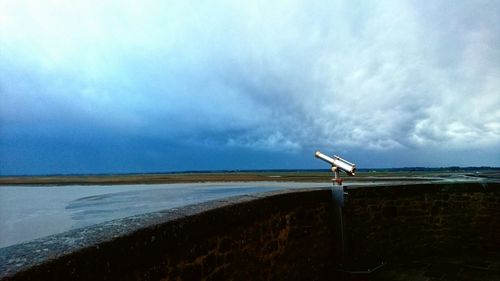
pixel 324 157
pixel 342 159
pixel 348 167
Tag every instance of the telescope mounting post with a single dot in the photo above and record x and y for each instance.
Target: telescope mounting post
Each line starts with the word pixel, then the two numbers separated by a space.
pixel 337 180
pixel 337 193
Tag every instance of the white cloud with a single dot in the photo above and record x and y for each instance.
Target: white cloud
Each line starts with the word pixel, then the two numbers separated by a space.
pixel 274 141
pixel 264 75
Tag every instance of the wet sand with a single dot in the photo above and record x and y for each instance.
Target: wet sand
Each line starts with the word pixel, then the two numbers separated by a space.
pixel 30 212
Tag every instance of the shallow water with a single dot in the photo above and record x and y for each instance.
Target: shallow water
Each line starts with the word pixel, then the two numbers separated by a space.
pixel 30 212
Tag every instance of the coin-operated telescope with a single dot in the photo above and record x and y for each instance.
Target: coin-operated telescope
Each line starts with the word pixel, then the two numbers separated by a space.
pixel 337 165
pixel 338 194
pixel 338 203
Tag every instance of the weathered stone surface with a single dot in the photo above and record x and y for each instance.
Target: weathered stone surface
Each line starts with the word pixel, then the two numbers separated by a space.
pixel 407 222
pixel 282 235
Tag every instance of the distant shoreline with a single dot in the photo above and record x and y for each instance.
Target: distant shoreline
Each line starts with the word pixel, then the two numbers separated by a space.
pixel 259 171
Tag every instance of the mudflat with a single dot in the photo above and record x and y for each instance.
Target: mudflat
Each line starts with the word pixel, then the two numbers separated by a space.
pixel 277 176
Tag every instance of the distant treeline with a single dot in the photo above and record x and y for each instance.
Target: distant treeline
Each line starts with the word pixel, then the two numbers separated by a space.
pixel 427 169
pixel 404 169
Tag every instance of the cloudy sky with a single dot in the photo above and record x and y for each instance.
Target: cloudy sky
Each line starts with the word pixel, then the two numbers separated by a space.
pixel 102 86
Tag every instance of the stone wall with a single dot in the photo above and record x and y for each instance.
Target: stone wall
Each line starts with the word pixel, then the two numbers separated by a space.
pixel 285 235
pixel 407 222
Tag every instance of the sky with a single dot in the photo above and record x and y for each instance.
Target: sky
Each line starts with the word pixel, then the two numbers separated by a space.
pixel 102 86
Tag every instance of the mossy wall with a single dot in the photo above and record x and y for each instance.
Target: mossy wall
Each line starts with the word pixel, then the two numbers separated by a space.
pixel 279 236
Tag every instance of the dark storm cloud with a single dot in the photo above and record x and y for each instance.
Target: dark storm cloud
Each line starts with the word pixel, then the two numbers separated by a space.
pixel 381 78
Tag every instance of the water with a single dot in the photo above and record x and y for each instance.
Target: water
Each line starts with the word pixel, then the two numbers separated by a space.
pixel 30 212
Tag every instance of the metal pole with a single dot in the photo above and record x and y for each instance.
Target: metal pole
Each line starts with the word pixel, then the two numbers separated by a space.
pixel 338 199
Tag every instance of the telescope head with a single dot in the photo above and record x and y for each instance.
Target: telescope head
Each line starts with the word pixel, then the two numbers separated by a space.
pixel 338 163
